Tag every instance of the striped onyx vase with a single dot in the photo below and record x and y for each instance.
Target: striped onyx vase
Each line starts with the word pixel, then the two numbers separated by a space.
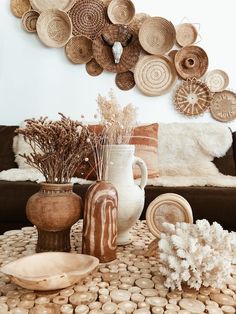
pixel 100 221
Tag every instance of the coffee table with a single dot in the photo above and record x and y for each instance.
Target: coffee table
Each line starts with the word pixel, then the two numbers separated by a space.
pixel 130 284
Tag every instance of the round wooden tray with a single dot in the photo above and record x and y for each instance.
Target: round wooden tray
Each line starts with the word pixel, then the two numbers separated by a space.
pixel 186 34
pixel 79 49
pixel 154 75
pixel 19 7
pixel 54 28
pixel 29 20
pixel 192 97
pixel 157 35
pixel 191 61
pixel 217 80
pixel 125 80
pixel 42 5
pixel 121 11
pixel 223 106
pixel 168 207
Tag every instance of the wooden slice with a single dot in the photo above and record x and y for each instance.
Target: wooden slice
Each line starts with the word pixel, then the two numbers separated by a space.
pixel 79 49
pixel 125 80
pixel 186 34
pixel 93 68
pixel 168 207
pixel 223 106
pixel 29 20
pixel 19 7
pixel 191 305
pixel 217 80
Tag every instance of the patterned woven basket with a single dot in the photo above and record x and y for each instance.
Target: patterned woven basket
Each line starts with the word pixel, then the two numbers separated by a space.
pixel 125 81
pixel 223 106
pixel 121 11
pixel 93 68
pixel 29 20
pixel 186 34
pixel 79 49
pixel 217 80
pixel 19 7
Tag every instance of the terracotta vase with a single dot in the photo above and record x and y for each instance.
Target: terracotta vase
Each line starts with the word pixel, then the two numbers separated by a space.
pixel 100 221
pixel 119 162
pixel 54 209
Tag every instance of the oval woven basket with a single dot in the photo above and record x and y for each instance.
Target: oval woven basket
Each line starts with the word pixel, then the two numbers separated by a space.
pixel 121 11
pixel 79 49
pixel 88 18
pixel 93 68
pixel 125 81
pixel 191 61
pixel 223 106
pixel 186 34
pixel 19 7
pixel 217 80
pixel 154 75
pixel 192 98
pixel 157 35
pixel 29 20
pixel 42 5
pixel 54 28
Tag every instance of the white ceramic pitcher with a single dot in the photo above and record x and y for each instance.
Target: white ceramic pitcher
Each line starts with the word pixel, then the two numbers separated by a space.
pixel 119 171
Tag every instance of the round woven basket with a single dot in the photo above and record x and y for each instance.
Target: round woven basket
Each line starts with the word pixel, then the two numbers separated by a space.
pixel 102 48
pixel 223 106
pixel 54 28
pixel 19 7
pixel 154 75
pixel 93 68
pixel 217 80
pixel 79 49
pixel 88 18
pixel 191 61
pixel 186 34
pixel 157 35
pixel 172 54
pixel 121 11
pixel 137 21
pixel 125 81
pixel 42 5
pixel 192 98
pixel 29 20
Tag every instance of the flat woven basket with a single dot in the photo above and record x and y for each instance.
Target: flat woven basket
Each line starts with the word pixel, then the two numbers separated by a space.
pixel 88 18
pixel 223 106
pixel 19 7
pixel 121 11
pixel 192 98
pixel 186 34
pixel 217 80
pixel 42 5
pixel 79 49
pixel 191 61
pixel 102 48
pixel 157 35
pixel 93 68
pixel 54 28
pixel 125 81
pixel 29 20
pixel 155 75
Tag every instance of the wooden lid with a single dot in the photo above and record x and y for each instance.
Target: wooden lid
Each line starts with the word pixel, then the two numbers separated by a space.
pixel 157 35
pixel 154 75
pixel 19 7
pixel 102 48
pixel 88 18
pixel 125 80
pixel 192 97
pixel 29 20
pixel 186 34
pixel 217 80
pixel 191 61
pixel 121 11
pixel 223 106
pixel 79 49
pixel 42 5
pixel 93 68
pixel 137 21
pixel 54 28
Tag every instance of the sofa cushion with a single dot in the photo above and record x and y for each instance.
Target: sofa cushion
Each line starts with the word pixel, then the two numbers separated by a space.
pixel 7 157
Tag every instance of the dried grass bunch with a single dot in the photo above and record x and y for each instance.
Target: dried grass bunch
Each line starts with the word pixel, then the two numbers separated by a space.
pixel 118 122
pixel 57 147
pixel 196 254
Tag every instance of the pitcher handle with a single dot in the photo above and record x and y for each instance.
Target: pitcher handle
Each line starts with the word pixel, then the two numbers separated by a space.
pixel 144 174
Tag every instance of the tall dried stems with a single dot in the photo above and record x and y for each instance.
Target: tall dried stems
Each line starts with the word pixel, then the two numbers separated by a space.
pixel 118 122
pixel 57 147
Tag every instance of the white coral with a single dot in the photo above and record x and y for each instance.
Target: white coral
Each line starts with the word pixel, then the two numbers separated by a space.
pixel 197 254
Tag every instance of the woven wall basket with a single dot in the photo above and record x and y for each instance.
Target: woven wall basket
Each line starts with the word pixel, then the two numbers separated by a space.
pixel 192 98
pixel 42 5
pixel 102 48
pixel 54 28
pixel 19 7
pixel 93 68
pixel 121 11
pixel 137 21
pixel 191 61
pixel 88 18
pixel 125 80
pixel 217 80
pixel 186 34
pixel 154 75
pixel 29 20
pixel 157 35
pixel 79 49
pixel 223 106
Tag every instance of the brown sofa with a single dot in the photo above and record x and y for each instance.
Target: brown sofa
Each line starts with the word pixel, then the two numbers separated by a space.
pixel 213 203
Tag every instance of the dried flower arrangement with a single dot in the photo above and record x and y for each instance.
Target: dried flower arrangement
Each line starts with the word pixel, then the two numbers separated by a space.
pixel 118 122
pixel 57 147
pixel 196 254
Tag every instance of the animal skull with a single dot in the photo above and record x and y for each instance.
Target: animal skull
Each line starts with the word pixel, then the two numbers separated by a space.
pixel 117 51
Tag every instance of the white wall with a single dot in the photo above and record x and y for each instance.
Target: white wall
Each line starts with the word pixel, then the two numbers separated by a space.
pixel 36 80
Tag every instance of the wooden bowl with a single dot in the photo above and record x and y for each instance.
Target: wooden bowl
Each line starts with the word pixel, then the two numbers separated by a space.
pixel 121 11
pixel 50 271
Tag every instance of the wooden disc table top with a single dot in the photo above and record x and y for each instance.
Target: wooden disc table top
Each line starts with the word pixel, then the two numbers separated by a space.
pixel 130 284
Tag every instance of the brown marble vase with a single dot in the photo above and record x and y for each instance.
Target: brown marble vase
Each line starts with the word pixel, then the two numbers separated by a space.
pixel 100 221
pixel 54 209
